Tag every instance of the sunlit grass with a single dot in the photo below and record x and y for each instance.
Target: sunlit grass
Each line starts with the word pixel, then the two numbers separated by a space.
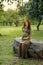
pixel 7 57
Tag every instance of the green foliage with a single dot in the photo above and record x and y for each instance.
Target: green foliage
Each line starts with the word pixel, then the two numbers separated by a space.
pixel 36 11
pixel 1 10
pixel 33 10
pixel 10 17
pixel 36 8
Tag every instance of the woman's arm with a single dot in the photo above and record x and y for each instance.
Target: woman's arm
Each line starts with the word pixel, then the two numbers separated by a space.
pixel 29 31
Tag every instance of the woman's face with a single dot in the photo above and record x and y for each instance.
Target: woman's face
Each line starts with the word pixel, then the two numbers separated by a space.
pixel 26 23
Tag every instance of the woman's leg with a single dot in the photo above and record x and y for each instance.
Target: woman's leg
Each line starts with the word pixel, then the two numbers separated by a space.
pixel 20 50
pixel 23 50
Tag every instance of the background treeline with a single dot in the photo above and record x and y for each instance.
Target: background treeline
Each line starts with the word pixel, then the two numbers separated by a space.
pixel 12 17
pixel 33 10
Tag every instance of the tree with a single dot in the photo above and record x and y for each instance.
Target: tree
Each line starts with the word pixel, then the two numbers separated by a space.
pixel 1 8
pixel 34 10
pixel 1 11
pixel 16 22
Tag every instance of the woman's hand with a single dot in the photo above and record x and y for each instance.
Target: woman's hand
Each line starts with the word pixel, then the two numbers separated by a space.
pixel 25 38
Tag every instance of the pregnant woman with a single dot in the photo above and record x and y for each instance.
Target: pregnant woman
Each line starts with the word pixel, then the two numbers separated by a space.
pixel 26 29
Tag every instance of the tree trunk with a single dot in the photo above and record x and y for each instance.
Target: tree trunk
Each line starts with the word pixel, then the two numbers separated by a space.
pixel 39 24
pixel 0 34
pixel 3 23
pixel 6 23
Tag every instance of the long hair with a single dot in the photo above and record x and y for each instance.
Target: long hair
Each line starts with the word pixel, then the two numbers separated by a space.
pixel 28 24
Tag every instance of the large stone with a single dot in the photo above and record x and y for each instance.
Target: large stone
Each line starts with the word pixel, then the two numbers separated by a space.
pixel 35 49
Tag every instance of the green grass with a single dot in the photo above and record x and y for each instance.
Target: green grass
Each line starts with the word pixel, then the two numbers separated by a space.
pixel 7 57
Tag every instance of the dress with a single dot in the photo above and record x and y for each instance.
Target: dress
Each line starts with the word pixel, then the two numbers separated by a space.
pixel 22 47
pixel 26 33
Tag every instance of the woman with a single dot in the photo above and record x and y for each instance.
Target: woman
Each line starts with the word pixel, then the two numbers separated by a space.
pixel 26 38
pixel 26 30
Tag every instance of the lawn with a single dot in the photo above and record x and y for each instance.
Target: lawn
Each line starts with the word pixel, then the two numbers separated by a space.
pixel 7 57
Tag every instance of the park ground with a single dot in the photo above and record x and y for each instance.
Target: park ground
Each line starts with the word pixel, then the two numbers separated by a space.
pixel 8 34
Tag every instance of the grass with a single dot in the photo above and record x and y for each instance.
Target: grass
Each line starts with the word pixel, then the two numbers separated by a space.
pixel 7 57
